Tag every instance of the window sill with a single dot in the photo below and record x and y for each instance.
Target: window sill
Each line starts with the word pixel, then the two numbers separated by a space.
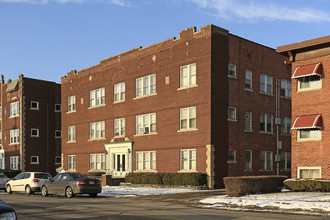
pixel 119 101
pixel 35 109
pixel 139 135
pixel 232 77
pixel 232 162
pixel 71 170
pixel 122 136
pixel 188 130
pixel 233 120
pixel 14 143
pixel 145 96
pixel 248 170
pixel 248 90
pixel 58 163
pixel 35 163
pixel 287 98
pixel 264 132
pixel 187 87
pixel 309 89
pixel 96 170
pixel 97 139
pixel 34 136
pixel 97 106
pixel 15 116
pixel 248 131
pixel 309 140
pixel 145 171
pixel 187 171
pixel 267 94
pixel 58 137
pixel 71 112
pixel 70 142
pixel 58 111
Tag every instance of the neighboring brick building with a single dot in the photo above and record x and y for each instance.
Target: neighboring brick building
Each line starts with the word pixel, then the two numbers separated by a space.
pixel 310 107
pixel 30 125
pixel 204 102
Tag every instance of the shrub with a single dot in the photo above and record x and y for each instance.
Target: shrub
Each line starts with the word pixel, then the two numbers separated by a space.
pixel 143 178
pixel 241 185
pixel 307 185
pixel 96 173
pixel 10 173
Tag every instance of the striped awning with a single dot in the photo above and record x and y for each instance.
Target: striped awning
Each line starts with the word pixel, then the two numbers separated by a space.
pixel 307 70
pixel 307 122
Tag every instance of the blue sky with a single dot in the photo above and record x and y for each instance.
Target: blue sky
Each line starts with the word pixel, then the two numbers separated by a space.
pixel 45 39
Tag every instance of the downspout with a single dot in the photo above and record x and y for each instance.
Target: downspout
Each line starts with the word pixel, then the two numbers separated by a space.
pixel 22 150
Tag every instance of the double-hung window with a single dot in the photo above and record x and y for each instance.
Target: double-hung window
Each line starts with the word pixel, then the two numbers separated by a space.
pixel 14 109
pixel 285 161
pixel 286 125
pixel 14 162
pixel 14 136
pixel 188 75
pixel 72 162
pixel 188 160
pixel 71 133
pixel 97 161
pixel 188 118
pixel 266 160
pixel 232 113
pixel 248 159
pixel 248 79
pixel 146 124
pixel 119 127
pixel 96 130
pixel 146 85
pixel 97 97
pixel 119 92
pixel 231 156
pixel 266 123
pixel 266 84
pixel 248 121
pixel 71 103
pixel 146 160
pixel 231 70
pixel 285 88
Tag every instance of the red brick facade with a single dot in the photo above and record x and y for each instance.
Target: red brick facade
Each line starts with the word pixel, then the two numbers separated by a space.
pixel 210 50
pixel 42 144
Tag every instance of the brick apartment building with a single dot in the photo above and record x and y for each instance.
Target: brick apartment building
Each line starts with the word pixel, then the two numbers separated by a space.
pixel 310 107
pixel 205 102
pixel 30 125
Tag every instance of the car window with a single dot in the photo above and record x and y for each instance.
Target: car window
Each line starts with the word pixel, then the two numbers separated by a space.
pixel 57 177
pixel 77 175
pixel 19 176
pixel 3 176
pixel 42 176
pixel 27 175
pixel 65 177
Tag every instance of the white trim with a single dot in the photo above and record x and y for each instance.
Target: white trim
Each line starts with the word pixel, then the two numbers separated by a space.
pixel 309 168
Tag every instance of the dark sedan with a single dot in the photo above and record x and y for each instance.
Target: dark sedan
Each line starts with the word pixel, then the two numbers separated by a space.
pixel 7 212
pixel 70 184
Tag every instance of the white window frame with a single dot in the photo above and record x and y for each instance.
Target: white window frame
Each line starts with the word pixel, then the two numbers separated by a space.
pixel 0 112
pixel 265 84
pixel 286 89
pixel 72 133
pixel 37 162
pixel 0 138
pixel 248 76
pixel 97 162
pixel 14 109
pixel 34 135
pixel 146 124
pixel 37 105
pixel 60 159
pixel 146 161
pixel 14 136
pixel 232 73
pixel 299 169
pixel 285 161
pixel 248 121
pixel 97 130
pixel 264 167
pixel 188 163
pixel 72 162
pixel 97 97
pixel 312 84
pixel 265 118
pixel 232 114
pixel 191 75
pixel 14 162
pixel 58 108
pixel 249 168
pixel 119 127
pixel 119 92
pixel 190 116
pixel 231 153
pixel 286 126
pixel 300 139
pixel 58 132
pixel 145 86
pixel 72 103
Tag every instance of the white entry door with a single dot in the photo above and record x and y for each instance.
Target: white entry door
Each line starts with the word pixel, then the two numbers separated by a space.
pixel 119 159
pixel 120 164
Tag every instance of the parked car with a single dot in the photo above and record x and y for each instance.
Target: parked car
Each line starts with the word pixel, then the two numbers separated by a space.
pixel 7 212
pixel 3 181
pixel 29 182
pixel 70 184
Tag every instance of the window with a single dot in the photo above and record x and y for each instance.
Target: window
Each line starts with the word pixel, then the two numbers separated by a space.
pixel 286 88
pixel 231 70
pixel 248 79
pixel 146 85
pixel 14 136
pixel 14 109
pixel 34 159
pixel 309 172
pixel 266 160
pixel 248 159
pixel 97 97
pixel 309 82
pixel 146 124
pixel 72 103
pixel 0 139
pixel 285 161
pixel 266 123
pixel 97 161
pixel 188 75
pixel 34 105
pixel 72 162
pixel 71 133
pixel 146 160
pixel 266 84
pixel 188 160
pixel 58 133
pixel 119 127
pixel 34 132
pixel 0 112
pixel 96 130
pixel 58 160
pixel 119 92
pixel 188 118
pixel 231 155
pixel 232 113
pixel 58 107
pixel 248 121
pixel 286 125
pixel 14 163
pixel 309 134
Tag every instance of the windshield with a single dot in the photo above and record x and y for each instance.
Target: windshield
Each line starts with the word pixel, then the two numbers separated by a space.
pixel 42 176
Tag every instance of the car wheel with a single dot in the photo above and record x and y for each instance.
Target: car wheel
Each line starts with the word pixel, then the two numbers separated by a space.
pixel 28 190
pixel 44 191
pixel 93 195
pixel 8 189
pixel 69 192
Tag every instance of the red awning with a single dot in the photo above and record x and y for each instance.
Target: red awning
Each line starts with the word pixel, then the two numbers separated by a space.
pixel 307 70
pixel 307 122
